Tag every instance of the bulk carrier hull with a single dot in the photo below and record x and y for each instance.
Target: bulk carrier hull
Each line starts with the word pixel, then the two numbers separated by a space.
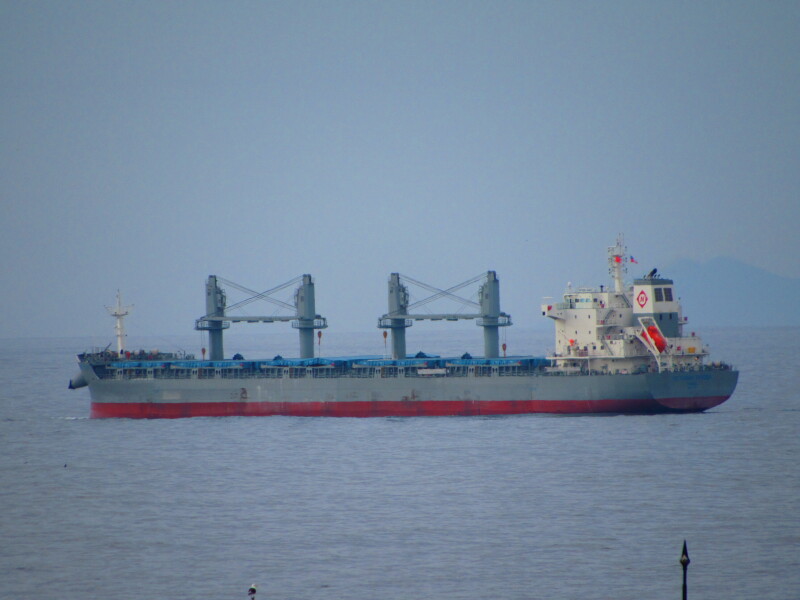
pixel 621 349
pixel 644 393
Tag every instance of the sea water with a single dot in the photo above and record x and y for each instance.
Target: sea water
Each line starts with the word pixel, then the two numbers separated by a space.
pixel 500 508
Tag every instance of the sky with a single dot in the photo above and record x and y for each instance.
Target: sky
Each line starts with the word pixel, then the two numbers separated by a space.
pixel 147 145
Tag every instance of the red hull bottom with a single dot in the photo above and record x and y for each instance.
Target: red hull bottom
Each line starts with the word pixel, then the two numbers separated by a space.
pixel 430 408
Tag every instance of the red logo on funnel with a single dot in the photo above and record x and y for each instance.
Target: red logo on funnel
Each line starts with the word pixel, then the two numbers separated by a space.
pixel 641 299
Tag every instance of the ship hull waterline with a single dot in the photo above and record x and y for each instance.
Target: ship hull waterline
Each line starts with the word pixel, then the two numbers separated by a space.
pixel 649 393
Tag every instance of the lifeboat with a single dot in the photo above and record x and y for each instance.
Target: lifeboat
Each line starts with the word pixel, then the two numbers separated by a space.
pixel 655 336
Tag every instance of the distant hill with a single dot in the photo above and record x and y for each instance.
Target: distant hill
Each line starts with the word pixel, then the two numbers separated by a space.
pixel 724 291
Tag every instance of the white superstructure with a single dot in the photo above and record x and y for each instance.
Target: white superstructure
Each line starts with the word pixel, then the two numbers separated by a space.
pixel 632 328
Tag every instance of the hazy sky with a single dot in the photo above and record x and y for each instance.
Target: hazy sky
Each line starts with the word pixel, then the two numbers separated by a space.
pixel 146 145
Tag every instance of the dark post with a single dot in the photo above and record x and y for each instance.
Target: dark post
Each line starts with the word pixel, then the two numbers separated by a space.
pixel 685 564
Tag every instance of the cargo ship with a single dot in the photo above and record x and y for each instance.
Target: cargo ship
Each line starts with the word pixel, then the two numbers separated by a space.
pixel 619 349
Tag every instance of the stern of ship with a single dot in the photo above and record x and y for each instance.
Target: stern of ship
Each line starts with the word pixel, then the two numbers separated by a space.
pixel 693 391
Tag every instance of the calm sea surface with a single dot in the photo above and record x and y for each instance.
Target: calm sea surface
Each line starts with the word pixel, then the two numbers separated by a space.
pixel 421 508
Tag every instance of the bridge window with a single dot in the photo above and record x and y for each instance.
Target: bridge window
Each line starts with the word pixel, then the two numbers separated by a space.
pixel 668 294
pixel 659 294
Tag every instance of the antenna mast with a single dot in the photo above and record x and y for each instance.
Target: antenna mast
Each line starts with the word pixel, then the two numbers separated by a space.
pixel 617 263
pixel 119 312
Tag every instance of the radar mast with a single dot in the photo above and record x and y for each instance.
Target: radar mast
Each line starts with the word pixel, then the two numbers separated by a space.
pixel 119 312
pixel 618 263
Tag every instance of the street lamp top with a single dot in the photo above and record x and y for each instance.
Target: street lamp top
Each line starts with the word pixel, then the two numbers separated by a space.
pixel 685 556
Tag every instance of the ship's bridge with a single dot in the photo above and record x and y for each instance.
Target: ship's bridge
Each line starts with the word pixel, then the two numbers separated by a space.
pixel 654 297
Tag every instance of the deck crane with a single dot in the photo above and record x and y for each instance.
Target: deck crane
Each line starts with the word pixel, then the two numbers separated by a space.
pixel 401 315
pixel 218 316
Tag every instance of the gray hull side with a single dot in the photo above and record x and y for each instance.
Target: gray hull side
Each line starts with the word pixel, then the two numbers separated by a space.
pixel 689 391
pixel 541 393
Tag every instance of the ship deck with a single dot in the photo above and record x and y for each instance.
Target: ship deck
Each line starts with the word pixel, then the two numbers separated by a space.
pixel 337 367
